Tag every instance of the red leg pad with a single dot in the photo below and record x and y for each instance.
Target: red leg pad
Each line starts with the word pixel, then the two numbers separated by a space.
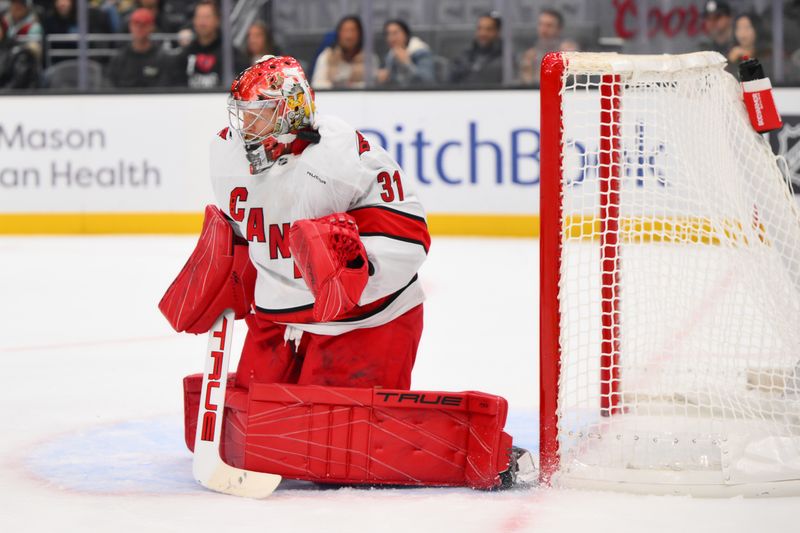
pixel 365 436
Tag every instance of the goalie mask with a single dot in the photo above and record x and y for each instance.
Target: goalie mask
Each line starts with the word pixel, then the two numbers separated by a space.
pixel 271 108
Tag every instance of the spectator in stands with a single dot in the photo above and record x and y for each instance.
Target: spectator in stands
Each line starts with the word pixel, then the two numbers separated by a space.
pixel 482 62
pixel 164 22
pixel 199 65
pixel 21 20
pixel 111 9
pixel 750 42
pixel 63 19
pixel 718 24
pixel 260 41
pixel 342 64
pixel 142 63
pixel 19 67
pixel 549 26
pixel 409 60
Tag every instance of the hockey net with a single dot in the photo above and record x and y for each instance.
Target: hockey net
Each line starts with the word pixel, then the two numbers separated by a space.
pixel 670 282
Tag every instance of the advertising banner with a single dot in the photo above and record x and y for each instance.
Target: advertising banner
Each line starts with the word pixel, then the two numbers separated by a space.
pixel 472 155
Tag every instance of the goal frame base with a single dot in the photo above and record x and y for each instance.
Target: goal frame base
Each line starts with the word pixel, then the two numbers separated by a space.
pixel 601 481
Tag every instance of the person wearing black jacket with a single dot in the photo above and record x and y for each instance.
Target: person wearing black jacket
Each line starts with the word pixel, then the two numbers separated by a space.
pixel 142 63
pixel 482 62
pixel 199 65
pixel 63 18
pixel 718 24
pixel 18 65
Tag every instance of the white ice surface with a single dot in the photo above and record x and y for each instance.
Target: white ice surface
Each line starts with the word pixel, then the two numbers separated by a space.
pixel 91 436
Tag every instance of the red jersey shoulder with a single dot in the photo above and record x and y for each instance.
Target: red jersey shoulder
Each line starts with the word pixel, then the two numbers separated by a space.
pixel 362 142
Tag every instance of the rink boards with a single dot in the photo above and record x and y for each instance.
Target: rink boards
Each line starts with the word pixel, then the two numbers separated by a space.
pixel 138 163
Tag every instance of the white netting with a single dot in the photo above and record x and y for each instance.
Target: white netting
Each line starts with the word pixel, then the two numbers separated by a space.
pixel 708 282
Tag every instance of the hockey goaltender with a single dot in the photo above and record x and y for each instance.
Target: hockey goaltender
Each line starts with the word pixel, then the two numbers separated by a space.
pixel 315 242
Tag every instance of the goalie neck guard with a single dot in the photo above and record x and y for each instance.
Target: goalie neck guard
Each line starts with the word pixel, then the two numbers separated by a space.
pixel 271 108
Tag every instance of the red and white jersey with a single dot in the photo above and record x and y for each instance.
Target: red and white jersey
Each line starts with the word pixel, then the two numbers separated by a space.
pixel 341 173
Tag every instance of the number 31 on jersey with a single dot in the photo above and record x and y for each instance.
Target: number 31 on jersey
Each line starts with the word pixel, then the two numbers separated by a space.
pixel 391 183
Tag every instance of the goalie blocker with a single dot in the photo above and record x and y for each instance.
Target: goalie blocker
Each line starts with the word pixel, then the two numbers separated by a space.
pixel 217 276
pixel 361 436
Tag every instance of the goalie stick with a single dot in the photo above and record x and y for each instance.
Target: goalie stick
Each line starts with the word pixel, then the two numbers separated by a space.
pixel 207 466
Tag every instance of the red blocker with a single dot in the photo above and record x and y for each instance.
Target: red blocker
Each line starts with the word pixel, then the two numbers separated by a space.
pixel 361 436
pixel 217 276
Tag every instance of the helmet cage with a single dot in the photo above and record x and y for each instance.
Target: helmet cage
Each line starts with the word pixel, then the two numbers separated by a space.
pixel 256 121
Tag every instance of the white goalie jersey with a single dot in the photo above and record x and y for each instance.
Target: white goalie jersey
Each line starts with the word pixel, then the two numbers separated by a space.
pixel 344 172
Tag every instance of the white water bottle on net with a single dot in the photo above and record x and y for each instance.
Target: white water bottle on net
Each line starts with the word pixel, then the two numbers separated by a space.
pixel 670 289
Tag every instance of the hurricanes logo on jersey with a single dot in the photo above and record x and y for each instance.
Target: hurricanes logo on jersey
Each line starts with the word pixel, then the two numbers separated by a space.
pixel 363 143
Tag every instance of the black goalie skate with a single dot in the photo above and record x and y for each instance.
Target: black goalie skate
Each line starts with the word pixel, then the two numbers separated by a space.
pixel 521 473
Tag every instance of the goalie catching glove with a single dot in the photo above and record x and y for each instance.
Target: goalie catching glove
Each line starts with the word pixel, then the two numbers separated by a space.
pixel 217 276
pixel 332 259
